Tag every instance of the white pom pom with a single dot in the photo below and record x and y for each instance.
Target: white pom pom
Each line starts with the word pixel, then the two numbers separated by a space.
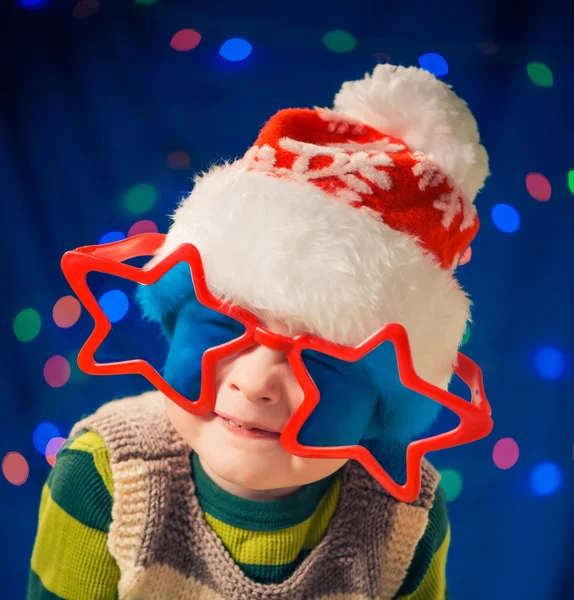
pixel 413 105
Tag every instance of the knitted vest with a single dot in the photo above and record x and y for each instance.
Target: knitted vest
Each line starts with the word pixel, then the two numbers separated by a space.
pixel 165 549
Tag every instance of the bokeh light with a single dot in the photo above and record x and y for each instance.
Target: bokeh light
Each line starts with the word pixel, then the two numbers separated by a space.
pixel 32 3
pixel 76 374
pixel 488 47
pixel 549 362
pixel 571 181
pixel 538 187
pixel 43 433
pixel 185 39
pixel 67 311
pixel 178 160
pixel 57 371
pixel 451 483
pixel 546 479
pixel 85 8
pixel 381 57
pixel 115 305
pixel 112 236
pixel 235 49
pixel 505 453
pixel 27 325
pixel 465 258
pixel 340 41
pixel 52 448
pixel 540 74
pixel 15 468
pixel 144 226
pixel 140 198
pixel 145 2
pixel 434 63
pixel 466 335
pixel 505 218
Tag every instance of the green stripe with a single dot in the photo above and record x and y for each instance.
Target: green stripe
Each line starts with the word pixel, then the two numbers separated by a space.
pixel 70 441
pixel 255 515
pixel 273 573
pixel 70 558
pixel 428 545
pixel 65 447
pixel 77 487
pixel 36 591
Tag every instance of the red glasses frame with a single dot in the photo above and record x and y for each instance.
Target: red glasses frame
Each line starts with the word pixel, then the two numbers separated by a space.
pixel 475 416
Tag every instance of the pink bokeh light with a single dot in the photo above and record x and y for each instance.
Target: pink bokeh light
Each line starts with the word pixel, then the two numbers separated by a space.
pixel 52 448
pixel 85 8
pixel 185 39
pixel 15 468
pixel 178 159
pixel 505 453
pixel 538 187
pixel 57 371
pixel 66 311
pixel 144 226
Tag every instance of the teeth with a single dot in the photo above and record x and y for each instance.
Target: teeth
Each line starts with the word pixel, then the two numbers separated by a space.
pixel 234 424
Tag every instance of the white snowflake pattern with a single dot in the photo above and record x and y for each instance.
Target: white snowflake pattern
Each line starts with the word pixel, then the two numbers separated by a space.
pixel 339 122
pixel 385 145
pixel 261 158
pixel 430 174
pixel 427 170
pixel 345 166
pixel 452 204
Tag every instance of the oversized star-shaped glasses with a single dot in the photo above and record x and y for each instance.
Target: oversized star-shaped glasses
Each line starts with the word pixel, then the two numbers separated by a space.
pixel 475 416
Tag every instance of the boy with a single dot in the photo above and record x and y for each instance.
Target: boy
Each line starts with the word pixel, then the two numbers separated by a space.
pixel 335 222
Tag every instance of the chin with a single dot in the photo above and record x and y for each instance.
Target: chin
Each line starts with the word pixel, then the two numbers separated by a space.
pixel 252 481
pixel 250 474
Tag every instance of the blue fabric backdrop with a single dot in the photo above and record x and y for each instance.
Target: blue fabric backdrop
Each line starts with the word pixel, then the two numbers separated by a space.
pixel 92 106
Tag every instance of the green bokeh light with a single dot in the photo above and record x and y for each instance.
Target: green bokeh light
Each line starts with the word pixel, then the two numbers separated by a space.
pixel 145 1
pixel 466 335
pixel 140 198
pixel 76 374
pixel 451 483
pixel 571 181
pixel 27 325
pixel 540 74
pixel 340 41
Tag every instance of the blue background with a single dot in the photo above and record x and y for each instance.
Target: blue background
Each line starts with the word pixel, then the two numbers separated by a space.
pixel 93 106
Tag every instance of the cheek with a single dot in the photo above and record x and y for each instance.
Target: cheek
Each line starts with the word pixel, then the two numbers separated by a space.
pixel 313 469
pixel 187 425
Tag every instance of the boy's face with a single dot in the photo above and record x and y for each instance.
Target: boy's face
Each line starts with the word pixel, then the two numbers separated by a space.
pixel 256 386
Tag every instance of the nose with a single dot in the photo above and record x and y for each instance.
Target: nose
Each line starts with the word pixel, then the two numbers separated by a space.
pixel 258 374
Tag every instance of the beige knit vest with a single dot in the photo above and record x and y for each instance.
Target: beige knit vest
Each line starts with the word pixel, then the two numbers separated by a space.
pixel 166 550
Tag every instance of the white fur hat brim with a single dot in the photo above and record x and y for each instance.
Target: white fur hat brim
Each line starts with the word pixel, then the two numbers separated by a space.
pixel 290 252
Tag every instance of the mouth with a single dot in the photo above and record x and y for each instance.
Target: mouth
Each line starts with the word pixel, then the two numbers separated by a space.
pixel 246 431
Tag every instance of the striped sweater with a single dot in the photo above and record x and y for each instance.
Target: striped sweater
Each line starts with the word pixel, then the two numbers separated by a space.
pixel 127 512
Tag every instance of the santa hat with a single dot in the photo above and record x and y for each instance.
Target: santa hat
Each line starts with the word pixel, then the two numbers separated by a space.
pixel 339 221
